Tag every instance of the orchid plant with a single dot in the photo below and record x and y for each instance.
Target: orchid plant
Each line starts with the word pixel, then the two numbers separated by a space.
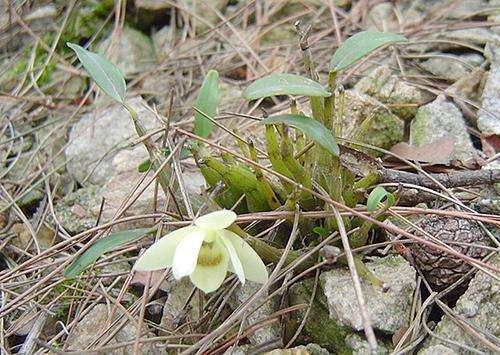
pixel 205 251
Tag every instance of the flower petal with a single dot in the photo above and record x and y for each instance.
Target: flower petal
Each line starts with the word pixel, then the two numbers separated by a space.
pixel 186 254
pixel 160 254
pixel 209 278
pixel 254 268
pixel 235 260
pixel 216 220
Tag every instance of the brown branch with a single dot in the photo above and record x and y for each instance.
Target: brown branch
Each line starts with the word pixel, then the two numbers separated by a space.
pixel 449 180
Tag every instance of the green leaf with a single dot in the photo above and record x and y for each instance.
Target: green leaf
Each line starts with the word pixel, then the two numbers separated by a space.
pixel 207 103
pixel 144 166
pixel 321 231
pixel 105 74
pixel 102 246
pixel 310 127
pixel 284 84
pixel 359 45
pixel 376 196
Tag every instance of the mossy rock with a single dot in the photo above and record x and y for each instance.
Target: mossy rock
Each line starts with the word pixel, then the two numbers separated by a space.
pixel 368 121
pixel 319 327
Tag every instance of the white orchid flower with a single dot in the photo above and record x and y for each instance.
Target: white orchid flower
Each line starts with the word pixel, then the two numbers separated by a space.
pixel 205 252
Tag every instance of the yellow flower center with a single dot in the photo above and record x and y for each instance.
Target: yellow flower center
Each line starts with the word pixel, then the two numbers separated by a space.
pixel 210 254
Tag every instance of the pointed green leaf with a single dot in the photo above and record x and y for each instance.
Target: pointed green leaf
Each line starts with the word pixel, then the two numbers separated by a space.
pixel 359 45
pixel 310 127
pixel 376 196
pixel 105 74
pixel 284 84
pixel 207 103
pixel 102 246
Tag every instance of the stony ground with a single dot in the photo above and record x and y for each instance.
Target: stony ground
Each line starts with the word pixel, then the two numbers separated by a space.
pixel 69 176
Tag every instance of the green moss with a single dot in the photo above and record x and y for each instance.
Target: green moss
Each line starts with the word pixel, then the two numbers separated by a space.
pixel 322 329
pixel 382 129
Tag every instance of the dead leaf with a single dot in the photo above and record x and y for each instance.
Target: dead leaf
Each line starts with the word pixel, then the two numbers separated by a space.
pixel 491 144
pixel 438 152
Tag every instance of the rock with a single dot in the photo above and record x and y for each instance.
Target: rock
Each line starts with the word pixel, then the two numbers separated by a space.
pixel 388 88
pixel 359 345
pixel 319 327
pixel 438 119
pixel 163 43
pixel 413 11
pixel 437 350
pixel 76 211
pixel 494 165
pixel 157 87
pixel 488 118
pixel 478 306
pixel 64 84
pixel 152 5
pixel 270 333
pixel 238 350
pixel 453 67
pixel 382 18
pixel 42 12
pixel 475 36
pixel 369 121
pixel 389 311
pixel 90 328
pixel 204 10
pixel 175 311
pixel 150 13
pixel 126 176
pixel 309 349
pixel 133 53
pixel 97 136
pixel 114 269
pixel 45 237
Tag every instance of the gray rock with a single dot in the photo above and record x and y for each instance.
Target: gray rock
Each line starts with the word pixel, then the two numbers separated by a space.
pixel 157 87
pixel 126 176
pixel 382 17
pixel 494 165
pixel 369 121
pixel 438 119
pixel 319 326
pixel 452 67
pixel 488 120
pixel 133 53
pixel 388 311
pixel 206 16
pixel 359 346
pixel 238 350
pixel 309 349
pixel 175 311
pixel 116 268
pixel 91 326
pixel 478 306
pixel 78 211
pixel 388 88
pixel 271 332
pixel 478 36
pixel 97 137
pixel 437 350
pixel 152 5
pixel 163 43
